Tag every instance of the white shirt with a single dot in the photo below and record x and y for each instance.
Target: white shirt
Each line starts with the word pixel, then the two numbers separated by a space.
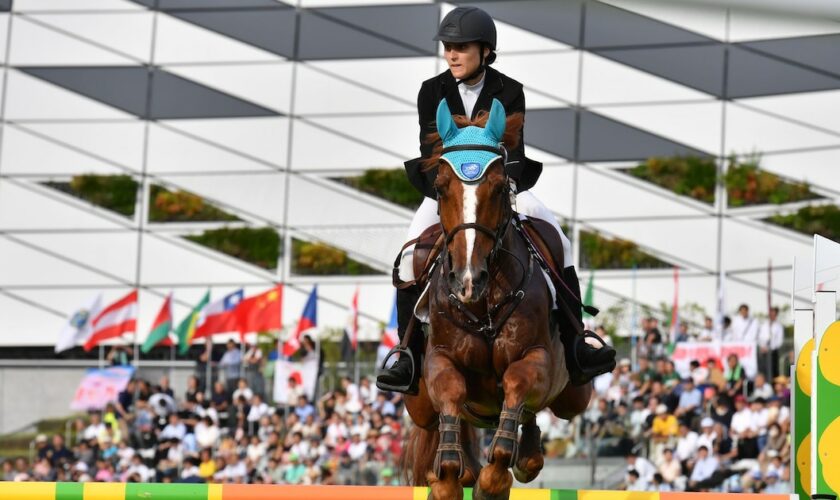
pixel 645 469
pixel 687 446
pixel 743 421
pixel 707 440
pixel 771 334
pixel 744 329
pixel 469 94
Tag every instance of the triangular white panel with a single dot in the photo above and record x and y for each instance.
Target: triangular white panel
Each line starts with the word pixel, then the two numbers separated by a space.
pixel 173 151
pixel 319 148
pixel 758 25
pixel 27 153
pixel 34 267
pixel 356 241
pixel 261 138
pixel 343 3
pixel 31 98
pixel 707 20
pixel 818 168
pixel 33 44
pixel 117 142
pixel 404 75
pixel 30 325
pixel 184 262
pixel 346 206
pixel 606 81
pixel 557 75
pixel 129 33
pixel 46 212
pixel 36 5
pixel 753 132
pixel 696 124
pixel 182 42
pixel 120 259
pixel 267 85
pixel 264 200
pixel 813 108
pixel 320 93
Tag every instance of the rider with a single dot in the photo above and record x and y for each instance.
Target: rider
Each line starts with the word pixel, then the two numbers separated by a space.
pixel 468 35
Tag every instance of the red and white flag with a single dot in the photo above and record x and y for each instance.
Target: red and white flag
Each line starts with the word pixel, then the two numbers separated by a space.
pixel 219 316
pixel 115 320
pixel 352 328
pixel 391 337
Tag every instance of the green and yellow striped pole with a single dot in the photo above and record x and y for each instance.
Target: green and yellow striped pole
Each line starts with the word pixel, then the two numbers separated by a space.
pixel 803 345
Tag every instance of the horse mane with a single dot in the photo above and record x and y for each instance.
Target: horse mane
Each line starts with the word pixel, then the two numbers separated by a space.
pixel 513 130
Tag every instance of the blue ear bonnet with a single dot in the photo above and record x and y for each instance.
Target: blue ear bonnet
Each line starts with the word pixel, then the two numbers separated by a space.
pixel 470 165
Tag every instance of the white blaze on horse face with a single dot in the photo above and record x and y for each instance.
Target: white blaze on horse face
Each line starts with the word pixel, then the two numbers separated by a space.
pixel 470 210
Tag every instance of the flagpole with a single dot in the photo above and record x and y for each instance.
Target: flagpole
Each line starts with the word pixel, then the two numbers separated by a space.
pixel 101 357
pixel 356 361
pixel 634 323
pixel 208 369
pixel 171 363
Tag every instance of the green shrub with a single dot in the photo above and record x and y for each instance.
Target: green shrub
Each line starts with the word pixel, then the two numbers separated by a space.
pixel 114 192
pixel 312 258
pixel 182 206
pixel 390 184
pixel 747 184
pixel 823 220
pixel 597 252
pixel 685 175
pixel 259 246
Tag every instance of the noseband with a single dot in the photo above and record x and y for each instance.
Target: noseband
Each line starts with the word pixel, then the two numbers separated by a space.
pixel 499 313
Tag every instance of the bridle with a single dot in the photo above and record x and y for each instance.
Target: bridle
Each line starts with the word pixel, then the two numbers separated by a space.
pixel 497 314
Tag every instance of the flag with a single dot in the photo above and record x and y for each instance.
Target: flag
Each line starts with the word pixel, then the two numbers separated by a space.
pixel 261 312
pixel 113 321
pixel 219 316
pixel 352 328
pixel 161 327
pixel 309 319
pixel 78 326
pixel 675 314
pixel 391 337
pixel 186 329
pixel 588 297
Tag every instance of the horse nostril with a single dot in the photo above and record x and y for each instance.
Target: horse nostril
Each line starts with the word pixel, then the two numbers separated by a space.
pixel 453 281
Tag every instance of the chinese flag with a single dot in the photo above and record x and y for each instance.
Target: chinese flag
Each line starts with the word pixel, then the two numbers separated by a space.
pixel 261 312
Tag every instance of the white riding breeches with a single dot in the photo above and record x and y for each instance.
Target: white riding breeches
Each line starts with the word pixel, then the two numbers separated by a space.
pixel 427 214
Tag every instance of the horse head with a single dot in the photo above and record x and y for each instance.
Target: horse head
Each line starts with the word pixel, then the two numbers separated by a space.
pixel 473 196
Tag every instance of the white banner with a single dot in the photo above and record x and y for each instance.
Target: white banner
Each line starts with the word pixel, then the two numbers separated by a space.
pixel 100 387
pixel 305 371
pixel 686 352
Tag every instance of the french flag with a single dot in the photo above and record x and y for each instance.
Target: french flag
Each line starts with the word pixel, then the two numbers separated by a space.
pixel 219 316
pixel 391 338
pixel 309 319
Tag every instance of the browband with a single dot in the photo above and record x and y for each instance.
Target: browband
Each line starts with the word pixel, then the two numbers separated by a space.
pixel 473 147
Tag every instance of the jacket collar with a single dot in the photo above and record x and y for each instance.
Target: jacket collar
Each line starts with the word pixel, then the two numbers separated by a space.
pixel 493 86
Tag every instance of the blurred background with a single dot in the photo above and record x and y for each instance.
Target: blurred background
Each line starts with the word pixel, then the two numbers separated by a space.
pixel 177 147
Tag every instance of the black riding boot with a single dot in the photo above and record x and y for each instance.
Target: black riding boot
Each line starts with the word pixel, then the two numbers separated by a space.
pixel 399 377
pixel 583 361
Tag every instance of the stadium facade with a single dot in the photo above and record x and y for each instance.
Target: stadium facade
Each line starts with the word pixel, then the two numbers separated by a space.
pixel 258 105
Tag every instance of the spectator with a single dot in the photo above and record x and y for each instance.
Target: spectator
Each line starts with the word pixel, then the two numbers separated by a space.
pixel 703 474
pixel 690 402
pixel 642 466
pixel 698 373
pixel 670 469
pixel 634 482
pixel 707 333
pixel 253 368
pixel 687 443
pixel 231 364
pixel 744 326
pixel 734 376
pixel 771 335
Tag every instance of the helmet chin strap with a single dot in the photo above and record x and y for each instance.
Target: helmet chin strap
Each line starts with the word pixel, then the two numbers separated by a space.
pixel 479 70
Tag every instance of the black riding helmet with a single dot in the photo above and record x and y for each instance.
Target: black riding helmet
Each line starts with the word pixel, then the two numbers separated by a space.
pixel 470 24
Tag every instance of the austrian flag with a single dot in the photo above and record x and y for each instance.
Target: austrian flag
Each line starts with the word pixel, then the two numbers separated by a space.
pixel 115 320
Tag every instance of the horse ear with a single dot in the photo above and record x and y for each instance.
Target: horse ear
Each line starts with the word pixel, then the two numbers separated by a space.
pixel 445 124
pixel 496 122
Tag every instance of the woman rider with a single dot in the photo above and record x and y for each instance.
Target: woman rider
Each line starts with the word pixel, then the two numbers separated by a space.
pixel 468 35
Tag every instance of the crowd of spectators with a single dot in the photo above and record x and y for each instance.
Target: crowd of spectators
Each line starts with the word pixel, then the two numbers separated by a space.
pixel 712 429
pixel 352 435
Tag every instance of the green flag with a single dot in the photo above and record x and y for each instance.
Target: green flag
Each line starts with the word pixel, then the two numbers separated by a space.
pixel 161 327
pixel 186 329
pixel 587 298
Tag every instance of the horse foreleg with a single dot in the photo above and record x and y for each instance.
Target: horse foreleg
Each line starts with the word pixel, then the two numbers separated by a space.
pixel 529 461
pixel 448 391
pixel 526 384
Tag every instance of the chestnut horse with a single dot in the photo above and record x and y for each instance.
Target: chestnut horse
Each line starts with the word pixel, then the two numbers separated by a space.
pixel 493 357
